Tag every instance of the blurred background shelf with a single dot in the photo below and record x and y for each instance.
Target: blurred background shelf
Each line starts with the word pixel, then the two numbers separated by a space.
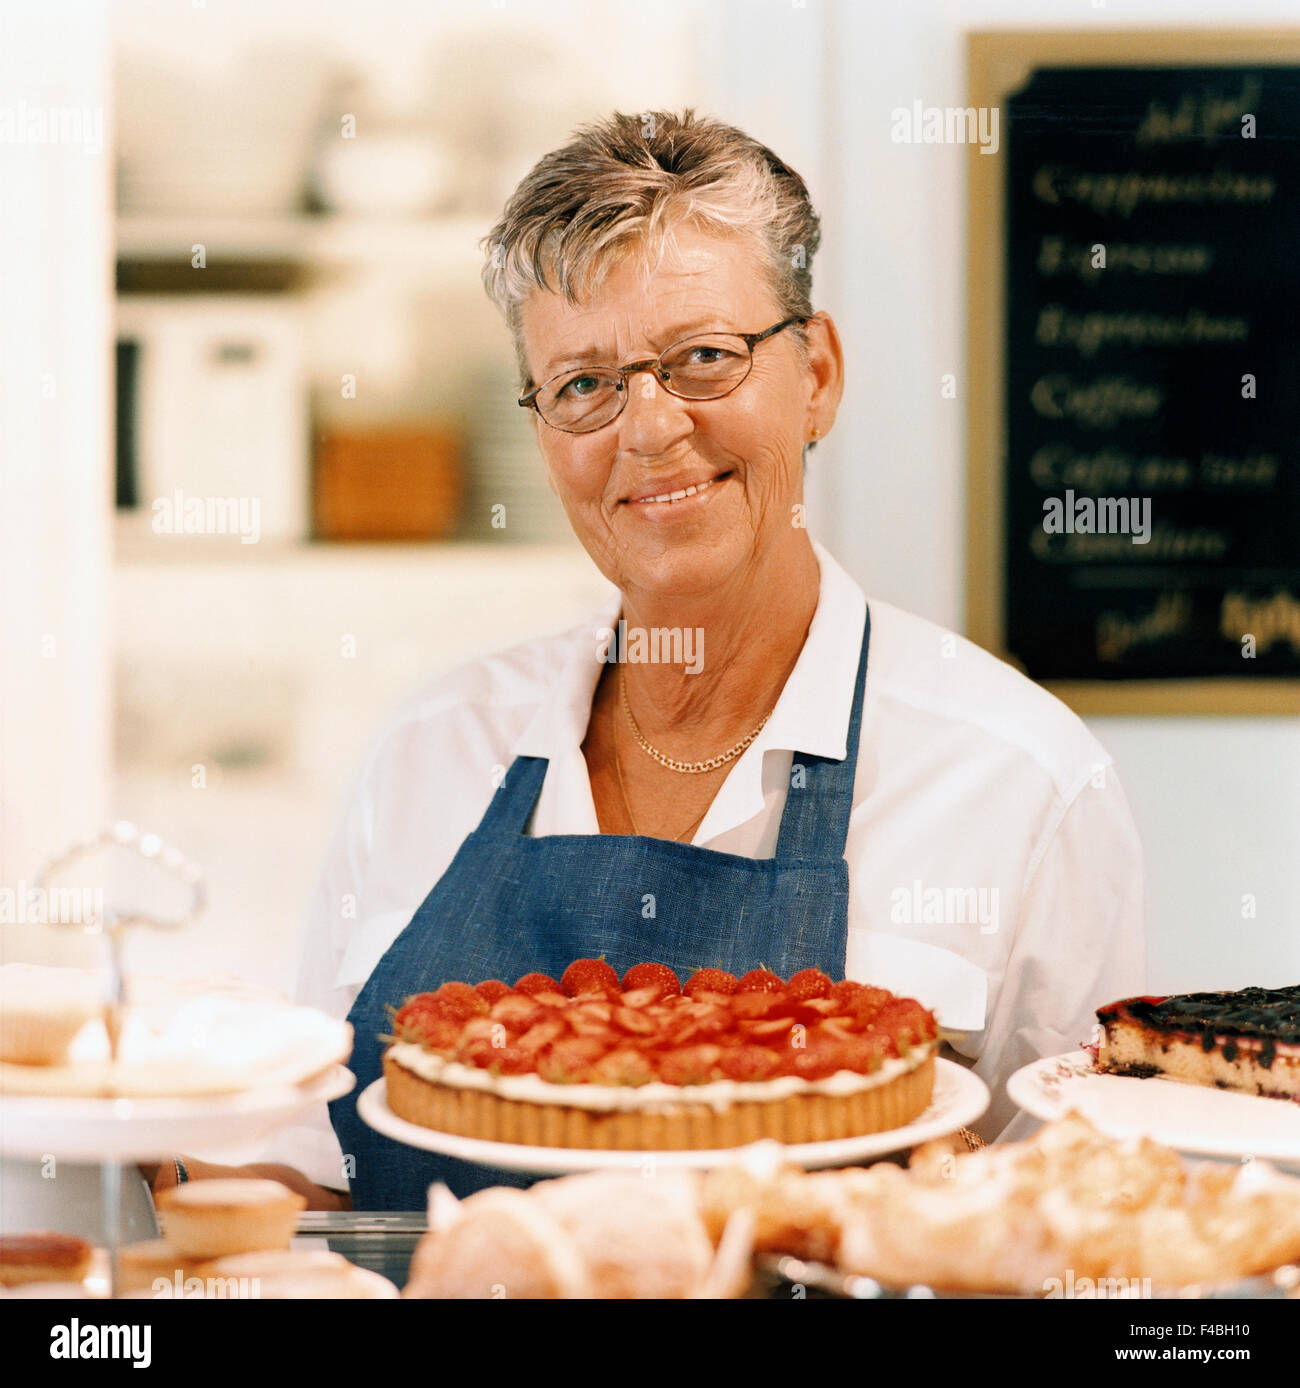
pixel 446 245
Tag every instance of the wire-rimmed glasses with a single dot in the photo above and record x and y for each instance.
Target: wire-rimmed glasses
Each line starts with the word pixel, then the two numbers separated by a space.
pixel 706 366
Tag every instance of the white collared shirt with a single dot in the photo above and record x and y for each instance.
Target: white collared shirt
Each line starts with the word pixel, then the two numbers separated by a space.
pixel 995 871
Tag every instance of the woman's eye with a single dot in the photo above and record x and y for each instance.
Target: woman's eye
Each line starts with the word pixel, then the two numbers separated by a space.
pixel 707 356
pixel 579 385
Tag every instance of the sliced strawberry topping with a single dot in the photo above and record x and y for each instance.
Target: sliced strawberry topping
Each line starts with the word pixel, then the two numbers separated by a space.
pixel 862 1054
pixel 657 976
pixel 689 1065
pixel 511 1060
pixel 623 1066
pixel 748 1063
pixel 711 981
pixel 768 1030
pixel 533 984
pixel 866 1003
pixel 751 1006
pixel 641 997
pixel 714 1022
pixel 457 1002
pixel 634 1022
pixel 824 1007
pixel 480 1053
pixel 517 1011
pixel 906 1021
pixel 588 976
pixel 492 989
pixel 703 997
pixel 809 983
pixel 760 981
pixel 420 1022
pixel 548 1030
pixel 569 1061
pixel 815 1061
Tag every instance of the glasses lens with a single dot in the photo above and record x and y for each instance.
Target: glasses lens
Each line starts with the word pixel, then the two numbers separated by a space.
pixel 702 368
pixel 580 400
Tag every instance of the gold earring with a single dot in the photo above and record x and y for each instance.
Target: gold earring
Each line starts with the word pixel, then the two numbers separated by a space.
pixel 816 433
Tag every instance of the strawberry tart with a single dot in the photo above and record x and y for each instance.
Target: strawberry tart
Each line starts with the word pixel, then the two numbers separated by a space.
pixel 642 1063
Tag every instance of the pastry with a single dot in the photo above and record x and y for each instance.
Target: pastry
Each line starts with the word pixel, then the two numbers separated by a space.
pixel 42 1010
pixel 43 1257
pixel 208 1219
pixel 592 1061
pixel 607 1235
pixel 176 1038
pixel 1070 1212
pixel 1248 1040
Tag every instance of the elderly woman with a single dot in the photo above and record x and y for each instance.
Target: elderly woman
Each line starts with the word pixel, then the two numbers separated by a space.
pixel 799 772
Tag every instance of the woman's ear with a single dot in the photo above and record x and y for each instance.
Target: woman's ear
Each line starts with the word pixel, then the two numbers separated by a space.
pixel 826 364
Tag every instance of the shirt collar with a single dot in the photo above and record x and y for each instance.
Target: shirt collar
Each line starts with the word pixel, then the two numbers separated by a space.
pixel 811 715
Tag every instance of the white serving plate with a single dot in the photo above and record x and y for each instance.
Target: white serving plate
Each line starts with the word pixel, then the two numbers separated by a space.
pixel 89 1130
pixel 960 1096
pixel 1192 1118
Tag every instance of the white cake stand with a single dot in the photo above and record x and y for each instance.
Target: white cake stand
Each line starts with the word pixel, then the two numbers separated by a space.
pixel 116 1131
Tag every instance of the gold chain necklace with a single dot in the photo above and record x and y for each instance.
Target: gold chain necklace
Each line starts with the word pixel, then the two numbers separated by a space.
pixel 688 768
pixel 622 789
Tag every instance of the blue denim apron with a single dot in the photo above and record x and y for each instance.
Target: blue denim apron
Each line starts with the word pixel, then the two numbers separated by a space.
pixel 510 904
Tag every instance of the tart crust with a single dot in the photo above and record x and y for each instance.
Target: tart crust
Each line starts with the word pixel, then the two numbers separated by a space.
pixel 681 1126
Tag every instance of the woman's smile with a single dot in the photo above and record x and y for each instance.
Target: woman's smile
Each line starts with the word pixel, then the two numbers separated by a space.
pixel 673 499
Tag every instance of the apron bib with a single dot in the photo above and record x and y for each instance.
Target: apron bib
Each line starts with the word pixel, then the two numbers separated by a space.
pixel 511 904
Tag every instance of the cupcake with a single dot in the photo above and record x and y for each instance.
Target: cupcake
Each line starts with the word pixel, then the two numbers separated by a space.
pixel 209 1219
pixel 43 1257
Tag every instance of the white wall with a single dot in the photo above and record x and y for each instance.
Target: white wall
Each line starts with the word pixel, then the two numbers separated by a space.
pixel 55 364
pixel 1217 801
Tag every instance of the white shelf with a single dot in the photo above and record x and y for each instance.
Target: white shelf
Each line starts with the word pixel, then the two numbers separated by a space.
pixel 449 243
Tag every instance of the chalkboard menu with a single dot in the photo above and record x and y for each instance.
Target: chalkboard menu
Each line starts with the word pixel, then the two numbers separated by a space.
pixel 1152 373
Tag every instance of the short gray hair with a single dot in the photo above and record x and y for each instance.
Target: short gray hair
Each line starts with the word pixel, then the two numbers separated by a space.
pixel 625 182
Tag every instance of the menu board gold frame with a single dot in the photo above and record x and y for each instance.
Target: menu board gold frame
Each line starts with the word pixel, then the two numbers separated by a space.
pixel 999 63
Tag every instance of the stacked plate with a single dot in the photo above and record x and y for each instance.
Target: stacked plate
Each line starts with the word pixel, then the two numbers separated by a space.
pixel 507 478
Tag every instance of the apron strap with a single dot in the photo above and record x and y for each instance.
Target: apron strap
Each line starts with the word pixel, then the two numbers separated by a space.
pixel 515 797
pixel 815 821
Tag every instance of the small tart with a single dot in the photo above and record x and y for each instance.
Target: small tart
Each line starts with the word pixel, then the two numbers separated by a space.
pixel 210 1219
pixel 43 1257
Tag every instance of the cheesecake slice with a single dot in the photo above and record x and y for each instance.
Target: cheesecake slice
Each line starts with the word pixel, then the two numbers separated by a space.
pixel 1248 1040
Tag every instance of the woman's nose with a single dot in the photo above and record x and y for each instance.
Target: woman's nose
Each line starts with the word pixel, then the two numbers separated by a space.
pixel 652 417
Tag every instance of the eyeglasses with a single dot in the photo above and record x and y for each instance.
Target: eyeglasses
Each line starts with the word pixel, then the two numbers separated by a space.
pixel 706 367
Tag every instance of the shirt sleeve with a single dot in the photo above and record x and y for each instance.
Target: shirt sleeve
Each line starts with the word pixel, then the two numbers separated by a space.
pixel 1080 942
pixel 336 906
